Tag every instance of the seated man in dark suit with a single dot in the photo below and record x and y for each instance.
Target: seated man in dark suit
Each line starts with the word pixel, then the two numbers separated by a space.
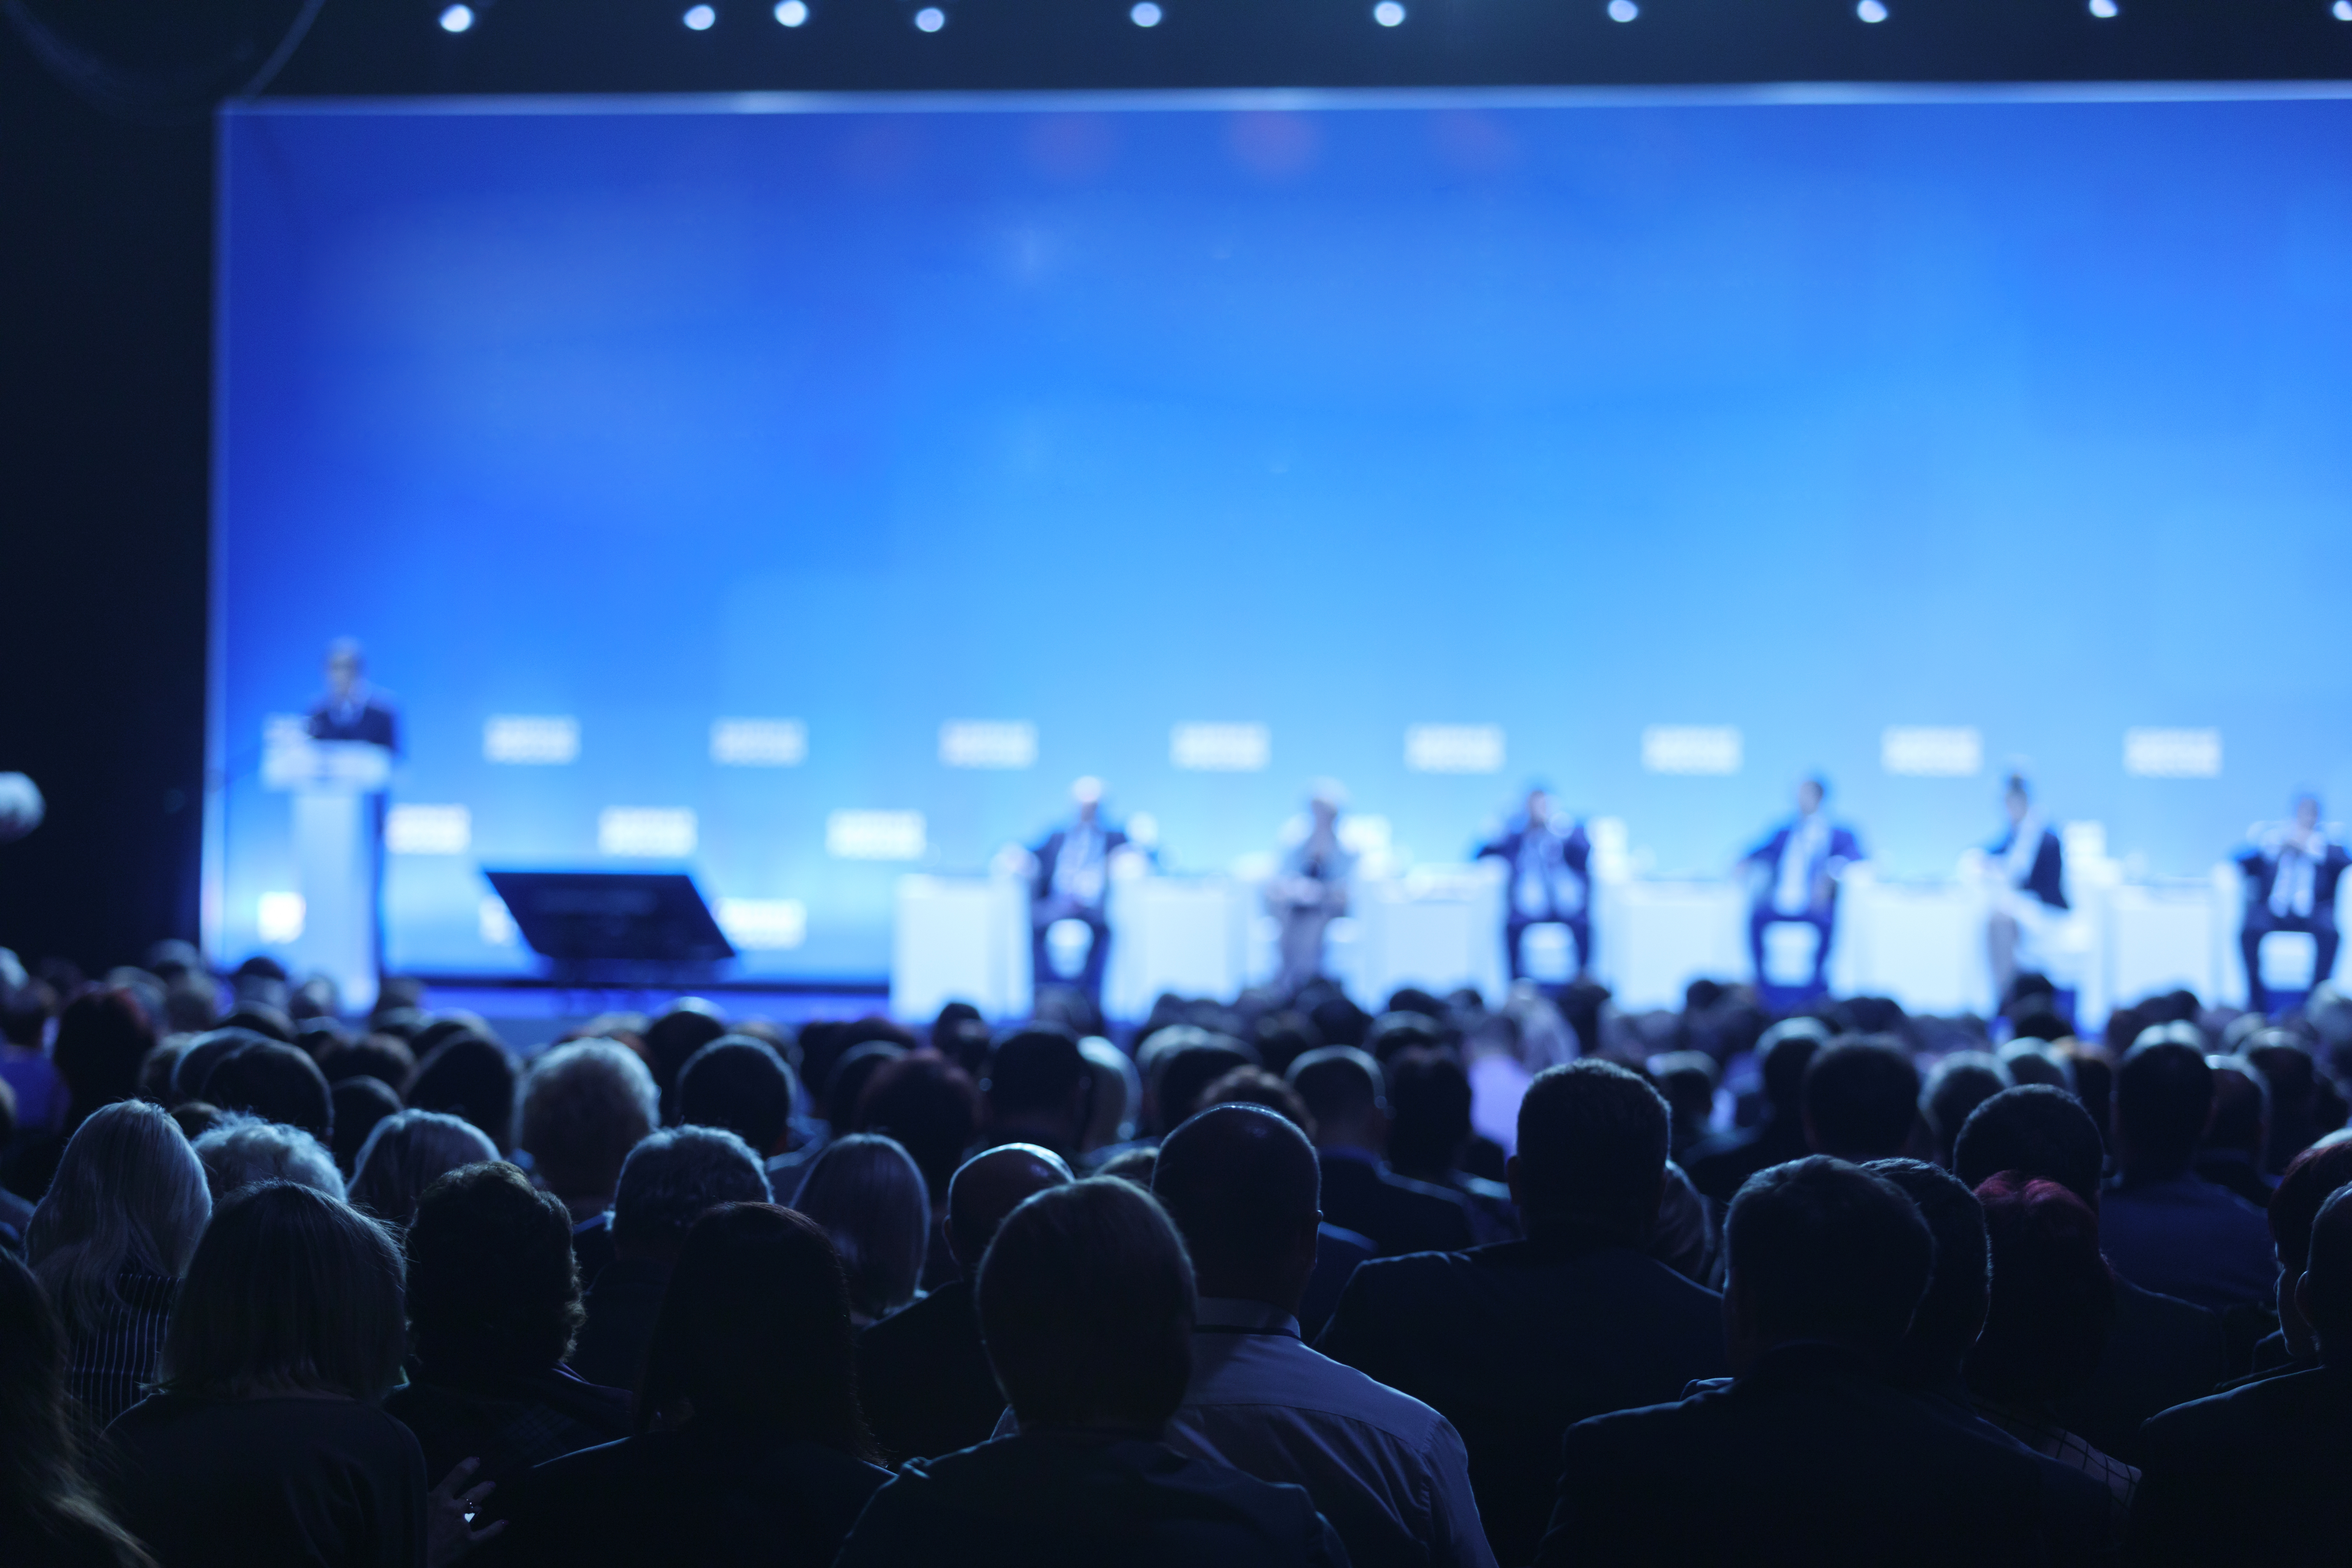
pixel 2257 1475
pixel 2160 1351
pixel 2163 1224
pixel 1513 1342
pixel 921 1372
pixel 1342 1088
pixel 1809 1456
pixel 1087 1309
pixel 2291 880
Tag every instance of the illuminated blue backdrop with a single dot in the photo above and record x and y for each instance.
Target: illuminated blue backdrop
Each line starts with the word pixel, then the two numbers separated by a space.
pixel 1334 414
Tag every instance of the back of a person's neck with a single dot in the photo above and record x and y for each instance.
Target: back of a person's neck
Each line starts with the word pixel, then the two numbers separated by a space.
pixel 1574 1234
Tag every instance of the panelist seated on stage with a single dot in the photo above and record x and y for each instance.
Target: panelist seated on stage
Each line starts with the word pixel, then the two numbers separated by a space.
pixel 353 709
pixel 1798 868
pixel 1309 890
pixel 1546 857
pixel 2027 870
pixel 2292 871
pixel 1072 883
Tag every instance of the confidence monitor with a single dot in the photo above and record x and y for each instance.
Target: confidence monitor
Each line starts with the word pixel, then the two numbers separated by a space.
pixel 593 924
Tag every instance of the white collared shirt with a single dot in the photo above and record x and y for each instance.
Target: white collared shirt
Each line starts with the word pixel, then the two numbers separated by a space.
pixel 1388 1471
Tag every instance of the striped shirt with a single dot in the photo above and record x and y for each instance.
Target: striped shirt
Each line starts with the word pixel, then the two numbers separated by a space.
pixel 109 1368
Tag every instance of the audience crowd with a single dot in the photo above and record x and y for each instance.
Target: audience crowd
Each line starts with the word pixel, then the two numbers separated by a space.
pixel 1268 1281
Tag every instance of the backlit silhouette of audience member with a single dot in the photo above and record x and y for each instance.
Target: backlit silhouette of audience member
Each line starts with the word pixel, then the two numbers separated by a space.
pixel 1430 1132
pixel 493 1304
pixel 276 1083
pixel 50 1514
pixel 931 1108
pixel 667 1181
pixel 1343 1089
pixel 867 1193
pixel 748 1446
pixel 109 1242
pixel 407 1154
pixel 101 1038
pixel 1515 1342
pixel 240 1150
pixel 922 1372
pixel 469 1075
pixel 1807 1455
pixel 2162 1224
pixel 1039 1091
pixel 264 1442
pixel 1721 1164
pixel 2230 1155
pixel 2052 1308
pixel 2255 1475
pixel 360 1104
pixel 1087 1308
pixel 2161 1350
pixel 2310 1177
pixel 583 1107
pixel 1956 1086
pixel 672 1040
pixel 1861 1099
pixel 1389 1472
pixel 741 1084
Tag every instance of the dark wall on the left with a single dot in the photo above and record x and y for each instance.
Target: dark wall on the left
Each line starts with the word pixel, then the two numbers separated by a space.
pixel 105 355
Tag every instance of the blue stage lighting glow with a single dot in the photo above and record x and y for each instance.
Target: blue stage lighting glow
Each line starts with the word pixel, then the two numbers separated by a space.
pixel 1623 10
pixel 458 19
pixel 1144 14
pixel 1871 11
pixel 2105 10
pixel 700 17
pixel 1388 14
pixel 792 13
pixel 931 20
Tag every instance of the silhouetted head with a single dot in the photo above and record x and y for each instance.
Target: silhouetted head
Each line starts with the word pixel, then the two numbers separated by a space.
pixel 1952 1313
pixel 2052 1298
pixel 1242 1183
pixel 584 1105
pixel 2035 1131
pixel 1823 1251
pixel 989 1185
pixel 2163 1098
pixel 1591 1157
pixel 1862 1097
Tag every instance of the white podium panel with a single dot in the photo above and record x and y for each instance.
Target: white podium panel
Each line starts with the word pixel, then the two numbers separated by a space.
pixel 1189 935
pixel 1438 928
pixel 1922 943
pixel 2165 936
pixel 1652 939
pixel 959 939
pixel 338 787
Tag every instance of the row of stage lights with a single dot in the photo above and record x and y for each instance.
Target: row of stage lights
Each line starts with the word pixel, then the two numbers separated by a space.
pixel 702 18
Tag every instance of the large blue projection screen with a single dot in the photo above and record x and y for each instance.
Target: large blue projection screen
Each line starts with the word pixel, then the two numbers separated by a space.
pixel 1333 416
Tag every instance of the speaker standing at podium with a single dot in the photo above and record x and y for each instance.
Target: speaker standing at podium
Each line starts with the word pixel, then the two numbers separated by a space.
pixel 353 711
pixel 2029 887
pixel 1550 877
pixel 2291 877
pixel 1800 864
pixel 1073 883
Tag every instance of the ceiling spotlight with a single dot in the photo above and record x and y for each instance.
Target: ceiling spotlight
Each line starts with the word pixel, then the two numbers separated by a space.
pixel 791 13
pixel 1144 14
pixel 457 18
pixel 2105 10
pixel 930 18
pixel 700 17
pixel 2341 10
pixel 1871 11
pixel 1623 10
pixel 1389 13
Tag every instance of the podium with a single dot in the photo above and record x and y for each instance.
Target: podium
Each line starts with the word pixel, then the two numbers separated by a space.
pixel 338 789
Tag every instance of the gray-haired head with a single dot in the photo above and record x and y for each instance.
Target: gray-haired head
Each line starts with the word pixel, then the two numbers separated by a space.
pixel 129 1195
pixel 241 1150
pixel 406 1152
pixel 583 1107
pixel 670 1178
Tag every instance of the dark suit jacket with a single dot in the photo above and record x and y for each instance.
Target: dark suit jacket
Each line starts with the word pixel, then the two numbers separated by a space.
pixel 1842 845
pixel 2160 1351
pixel 622 1306
pixel 705 1496
pixel 1809 1458
pixel 2253 1476
pixel 1720 1166
pixel 1575 853
pixel 1049 1499
pixel 924 1379
pixel 2261 875
pixel 1515 1341
pixel 1049 855
pixel 1399 1214
pixel 375 722
pixel 2047 880
pixel 1337 1252
pixel 510 1423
